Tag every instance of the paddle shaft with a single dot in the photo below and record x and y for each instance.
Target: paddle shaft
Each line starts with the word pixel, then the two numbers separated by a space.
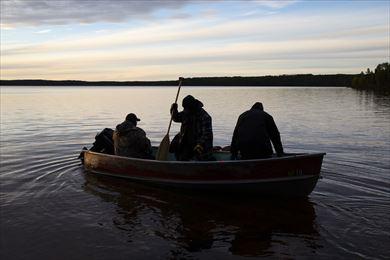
pixel 163 149
pixel 177 96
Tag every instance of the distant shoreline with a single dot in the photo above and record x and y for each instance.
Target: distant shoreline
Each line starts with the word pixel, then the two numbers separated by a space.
pixel 300 80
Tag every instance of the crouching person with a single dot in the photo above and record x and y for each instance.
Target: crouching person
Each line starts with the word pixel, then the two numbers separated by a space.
pixel 253 134
pixel 103 142
pixel 130 140
pixel 195 140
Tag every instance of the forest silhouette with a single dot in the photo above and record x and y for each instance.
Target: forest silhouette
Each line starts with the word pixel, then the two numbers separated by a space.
pixel 378 80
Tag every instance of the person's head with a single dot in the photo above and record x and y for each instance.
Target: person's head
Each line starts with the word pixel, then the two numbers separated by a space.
pixel 191 104
pixel 258 105
pixel 132 118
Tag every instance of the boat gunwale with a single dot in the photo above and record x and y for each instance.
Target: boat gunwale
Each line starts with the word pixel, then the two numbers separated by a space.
pixel 288 157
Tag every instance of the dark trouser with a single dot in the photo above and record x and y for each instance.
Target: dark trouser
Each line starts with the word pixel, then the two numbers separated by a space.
pixel 186 153
pixel 249 155
pixel 184 150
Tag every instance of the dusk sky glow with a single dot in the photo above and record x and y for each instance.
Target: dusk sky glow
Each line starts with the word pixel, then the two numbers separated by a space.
pixel 152 40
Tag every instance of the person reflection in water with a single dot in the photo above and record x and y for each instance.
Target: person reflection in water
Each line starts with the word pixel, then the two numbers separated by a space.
pixel 130 140
pixel 253 134
pixel 192 226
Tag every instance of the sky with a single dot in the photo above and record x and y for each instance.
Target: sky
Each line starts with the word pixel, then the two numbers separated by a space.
pixel 162 40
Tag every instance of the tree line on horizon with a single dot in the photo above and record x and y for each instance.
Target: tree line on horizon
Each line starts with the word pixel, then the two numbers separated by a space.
pixel 333 80
pixel 378 80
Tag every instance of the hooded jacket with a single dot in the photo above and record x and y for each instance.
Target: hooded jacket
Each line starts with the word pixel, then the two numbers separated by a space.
pixel 196 129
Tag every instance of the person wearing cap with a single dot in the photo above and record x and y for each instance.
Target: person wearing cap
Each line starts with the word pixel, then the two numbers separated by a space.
pixel 130 140
pixel 253 134
pixel 195 140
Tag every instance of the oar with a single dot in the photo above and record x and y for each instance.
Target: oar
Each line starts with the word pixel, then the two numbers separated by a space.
pixel 163 149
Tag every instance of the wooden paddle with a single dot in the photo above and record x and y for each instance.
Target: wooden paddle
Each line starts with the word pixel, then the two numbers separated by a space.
pixel 163 149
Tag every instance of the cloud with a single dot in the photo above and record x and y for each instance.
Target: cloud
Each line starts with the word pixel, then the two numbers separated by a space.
pixel 194 33
pixel 154 62
pixel 15 13
pixel 326 42
pixel 43 31
pixel 276 4
pixel 59 12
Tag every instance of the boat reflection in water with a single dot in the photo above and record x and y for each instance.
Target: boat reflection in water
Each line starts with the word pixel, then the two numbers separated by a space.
pixel 177 224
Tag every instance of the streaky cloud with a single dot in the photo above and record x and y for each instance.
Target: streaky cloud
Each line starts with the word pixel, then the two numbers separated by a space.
pixel 60 12
pixel 276 4
pixel 44 31
pixel 211 42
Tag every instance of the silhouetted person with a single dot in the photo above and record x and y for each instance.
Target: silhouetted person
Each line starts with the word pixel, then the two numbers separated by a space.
pixel 104 142
pixel 253 134
pixel 195 140
pixel 130 140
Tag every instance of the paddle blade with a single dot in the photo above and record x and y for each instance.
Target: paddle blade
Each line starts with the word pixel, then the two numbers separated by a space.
pixel 163 149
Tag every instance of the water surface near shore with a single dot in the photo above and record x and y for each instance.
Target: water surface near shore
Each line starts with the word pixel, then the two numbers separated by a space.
pixel 51 208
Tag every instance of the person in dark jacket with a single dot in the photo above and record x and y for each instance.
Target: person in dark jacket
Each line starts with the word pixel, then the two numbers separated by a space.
pixel 104 142
pixel 253 134
pixel 130 140
pixel 195 140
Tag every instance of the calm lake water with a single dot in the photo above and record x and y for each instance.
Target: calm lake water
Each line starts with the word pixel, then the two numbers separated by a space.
pixel 52 209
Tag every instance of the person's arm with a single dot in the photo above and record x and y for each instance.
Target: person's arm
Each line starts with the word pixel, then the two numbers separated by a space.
pixel 148 150
pixel 207 133
pixel 274 135
pixel 234 144
pixel 115 138
pixel 176 115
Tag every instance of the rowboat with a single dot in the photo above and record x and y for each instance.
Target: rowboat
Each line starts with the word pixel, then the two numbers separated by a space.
pixel 293 175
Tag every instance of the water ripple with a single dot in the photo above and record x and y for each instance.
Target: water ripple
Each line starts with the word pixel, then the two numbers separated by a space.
pixel 50 205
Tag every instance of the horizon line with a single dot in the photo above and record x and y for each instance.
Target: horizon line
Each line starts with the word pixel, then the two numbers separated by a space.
pixel 200 77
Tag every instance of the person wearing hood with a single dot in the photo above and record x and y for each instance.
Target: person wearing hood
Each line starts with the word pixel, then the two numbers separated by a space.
pixel 195 140
pixel 130 140
pixel 253 134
